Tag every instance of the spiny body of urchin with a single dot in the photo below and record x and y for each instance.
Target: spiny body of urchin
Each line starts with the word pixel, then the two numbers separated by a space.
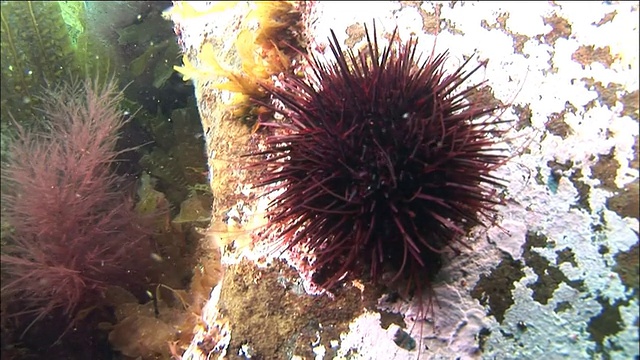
pixel 381 161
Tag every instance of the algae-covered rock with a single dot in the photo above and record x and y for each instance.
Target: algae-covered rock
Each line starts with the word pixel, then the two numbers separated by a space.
pixel 195 209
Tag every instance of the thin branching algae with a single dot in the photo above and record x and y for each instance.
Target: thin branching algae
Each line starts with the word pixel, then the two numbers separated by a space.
pixel 268 38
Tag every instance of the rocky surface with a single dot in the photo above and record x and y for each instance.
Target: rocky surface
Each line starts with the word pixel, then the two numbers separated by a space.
pixel 558 278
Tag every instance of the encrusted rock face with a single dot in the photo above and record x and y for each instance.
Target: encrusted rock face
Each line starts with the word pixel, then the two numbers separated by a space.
pixel 555 278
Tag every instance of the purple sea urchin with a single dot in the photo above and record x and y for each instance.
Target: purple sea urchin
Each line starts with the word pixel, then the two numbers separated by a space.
pixel 382 160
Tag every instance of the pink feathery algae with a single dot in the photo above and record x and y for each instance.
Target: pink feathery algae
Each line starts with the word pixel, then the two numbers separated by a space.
pixel 74 227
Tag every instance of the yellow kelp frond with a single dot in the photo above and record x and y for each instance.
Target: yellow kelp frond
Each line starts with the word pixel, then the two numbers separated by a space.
pixel 273 25
pixel 240 84
pixel 268 37
pixel 259 64
pixel 187 70
pixel 280 25
pixel 182 10
pixel 208 67
pixel 245 45
pixel 239 98
pixel 277 61
pixel 252 63
pixel 208 60
pixel 266 9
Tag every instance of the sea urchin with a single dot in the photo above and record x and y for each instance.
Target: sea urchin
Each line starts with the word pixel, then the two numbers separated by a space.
pixel 382 160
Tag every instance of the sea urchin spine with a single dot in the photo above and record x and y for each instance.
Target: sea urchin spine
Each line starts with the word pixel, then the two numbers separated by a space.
pixel 382 159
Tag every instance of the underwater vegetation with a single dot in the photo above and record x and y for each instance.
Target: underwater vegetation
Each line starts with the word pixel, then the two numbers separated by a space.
pixel 382 162
pixel 147 51
pixel 118 219
pixel 263 52
pixel 176 157
pixel 74 226
pixel 45 42
pixel 163 327
pixel 37 48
